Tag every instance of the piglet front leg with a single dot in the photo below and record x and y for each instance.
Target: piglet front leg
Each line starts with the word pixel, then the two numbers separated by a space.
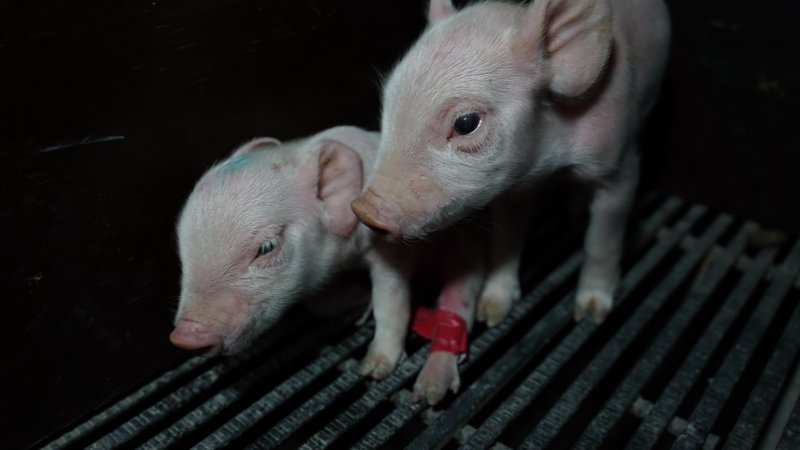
pixel 449 325
pixel 603 243
pixel 439 374
pixel 390 269
pixel 509 227
pixel 447 331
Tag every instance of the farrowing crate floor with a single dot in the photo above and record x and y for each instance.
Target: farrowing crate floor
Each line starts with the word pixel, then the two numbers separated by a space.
pixel 700 351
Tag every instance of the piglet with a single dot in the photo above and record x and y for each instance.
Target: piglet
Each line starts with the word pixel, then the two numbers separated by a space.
pixel 496 96
pixel 272 224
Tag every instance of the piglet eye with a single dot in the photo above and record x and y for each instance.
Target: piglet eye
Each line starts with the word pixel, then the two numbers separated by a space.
pixel 267 247
pixel 467 123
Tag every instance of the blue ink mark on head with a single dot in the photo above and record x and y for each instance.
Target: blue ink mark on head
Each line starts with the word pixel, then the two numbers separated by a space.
pixel 238 162
pixel 228 171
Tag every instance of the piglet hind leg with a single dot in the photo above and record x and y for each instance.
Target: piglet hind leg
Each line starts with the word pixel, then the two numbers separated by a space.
pixel 462 283
pixel 509 227
pixel 390 272
pixel 603 243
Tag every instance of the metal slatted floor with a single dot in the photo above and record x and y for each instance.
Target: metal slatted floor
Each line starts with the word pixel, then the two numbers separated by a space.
pixel 699 353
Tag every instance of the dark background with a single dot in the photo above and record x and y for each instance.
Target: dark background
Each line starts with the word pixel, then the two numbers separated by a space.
pixel 109 111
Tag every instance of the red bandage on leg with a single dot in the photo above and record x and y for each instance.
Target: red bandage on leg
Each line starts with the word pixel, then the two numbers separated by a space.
pixel 446 330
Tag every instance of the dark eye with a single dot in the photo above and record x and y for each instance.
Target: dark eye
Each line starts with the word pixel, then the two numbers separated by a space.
pixel 267 247
pixel 467 123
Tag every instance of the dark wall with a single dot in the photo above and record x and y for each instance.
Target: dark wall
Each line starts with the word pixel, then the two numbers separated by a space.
pixel 726 132
pixel 109 111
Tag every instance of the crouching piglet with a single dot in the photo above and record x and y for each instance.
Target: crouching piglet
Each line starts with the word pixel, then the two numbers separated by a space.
pixel 497 95
pixel 272 224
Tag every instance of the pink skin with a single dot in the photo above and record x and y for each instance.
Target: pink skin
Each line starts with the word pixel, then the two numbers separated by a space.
pixel 291 199
pixel 550 85
pixel 272 224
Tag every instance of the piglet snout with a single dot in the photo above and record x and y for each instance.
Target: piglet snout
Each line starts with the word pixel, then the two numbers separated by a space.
pixel 196 337
pixel 368 209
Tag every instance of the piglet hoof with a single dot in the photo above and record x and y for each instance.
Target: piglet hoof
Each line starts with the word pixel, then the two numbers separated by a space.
pixel 379 362
pixel 439 374
pixel 493 310
pixel 594 303
pixel 497 299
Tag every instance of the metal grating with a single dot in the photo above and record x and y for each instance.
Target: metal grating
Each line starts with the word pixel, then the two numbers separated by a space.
pixel 698 353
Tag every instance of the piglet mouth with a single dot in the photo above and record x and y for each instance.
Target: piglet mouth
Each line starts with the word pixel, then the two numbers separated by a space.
pixel 384 220
pixel 447 216
pixel 206 352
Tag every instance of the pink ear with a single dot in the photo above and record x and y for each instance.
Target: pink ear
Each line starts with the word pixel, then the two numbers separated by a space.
pixel 439 9
pixel 339 183
pixel 256 144
pixel 572 41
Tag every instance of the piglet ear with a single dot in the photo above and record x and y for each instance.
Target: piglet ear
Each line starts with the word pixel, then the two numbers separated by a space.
pixel 339 183
pixel 256 144
pixel 572 41
pixel 439 9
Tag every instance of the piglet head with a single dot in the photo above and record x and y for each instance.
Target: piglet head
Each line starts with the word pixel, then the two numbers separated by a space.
pixel 462 112
pixel 259 231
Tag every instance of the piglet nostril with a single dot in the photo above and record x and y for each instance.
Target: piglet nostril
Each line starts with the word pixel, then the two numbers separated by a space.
pixel 369 216
pixel 196 338
pixel 363 210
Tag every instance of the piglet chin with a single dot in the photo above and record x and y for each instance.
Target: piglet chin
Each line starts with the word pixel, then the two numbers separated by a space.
pixel 196 337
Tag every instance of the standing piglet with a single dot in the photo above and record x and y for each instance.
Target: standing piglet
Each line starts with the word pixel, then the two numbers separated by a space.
pixel 273 224
pixel 495 96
